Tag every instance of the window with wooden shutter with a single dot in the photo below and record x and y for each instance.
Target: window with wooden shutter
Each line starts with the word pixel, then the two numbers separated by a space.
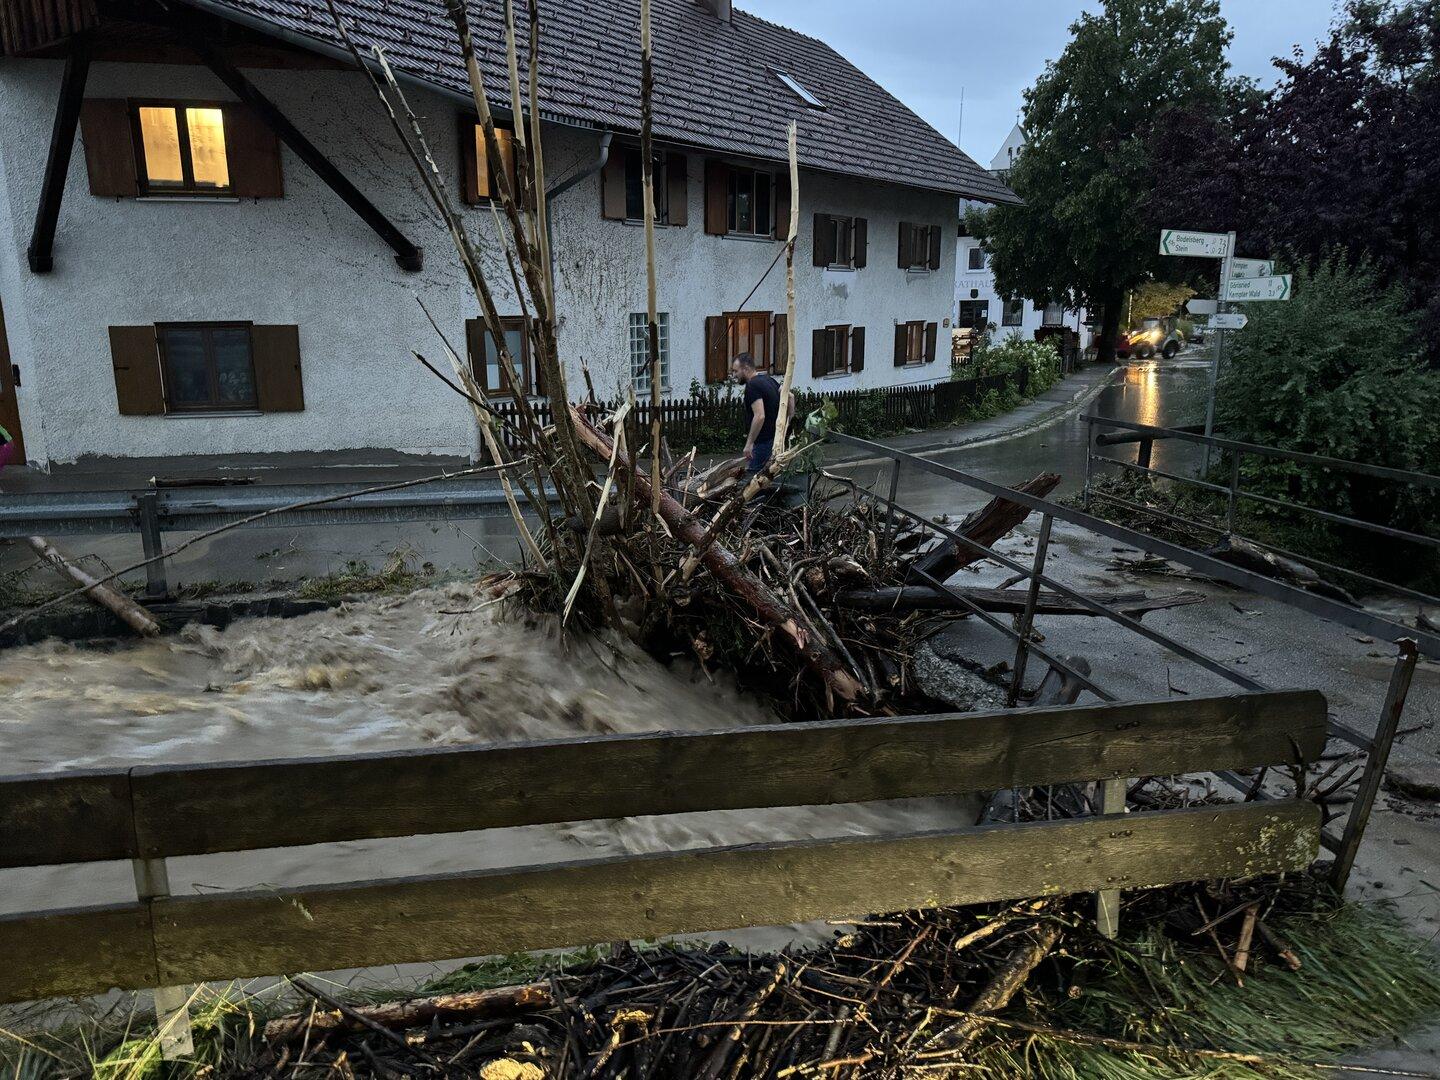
pixel 478 184
pixel 934 247
pixel 253 151
pixel 208 367
pixel 717 197
pixel 279 385
pixel 857 349
pixel 139 390
pixel 836 240
pixel 780 343
pixel 623 187
pixel 832 351
pixel 109 147
pixel 910 339
pixel 932 331
pixel 919 246
pixel 717 345
pixel 487 364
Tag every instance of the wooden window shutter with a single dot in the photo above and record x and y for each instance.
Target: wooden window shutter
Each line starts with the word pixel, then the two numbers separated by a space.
pixel 902 339
pixel 932 331
pixel 857 349
pixel 135 357
pixel 780 344
pixel 276 353
pixel 934 261
pixel 819 354
pixel 860 238
pixel 677 182
pixel 109 147
pixel 612 186
pixel 903 258
pixel 469 163
pixel 717 348
pixel 717 197
pixel 824 240
pixel 782 206
pixel 252 152
pixel 475 348
pixel 530 367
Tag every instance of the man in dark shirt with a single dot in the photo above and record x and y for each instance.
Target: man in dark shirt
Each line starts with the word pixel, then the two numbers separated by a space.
pixel 762 406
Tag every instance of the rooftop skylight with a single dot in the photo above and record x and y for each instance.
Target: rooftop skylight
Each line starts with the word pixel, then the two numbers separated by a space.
pixel 804 95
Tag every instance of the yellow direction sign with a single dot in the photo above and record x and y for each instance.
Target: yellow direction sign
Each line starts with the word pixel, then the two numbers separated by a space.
pixel 1255 289
pixel 1196 245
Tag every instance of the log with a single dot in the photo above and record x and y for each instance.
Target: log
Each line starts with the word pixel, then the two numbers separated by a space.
pixel 990 523
pixel 903 599
pixel 1249 556
pixel 686 527
pixel 417 1012
pixel 127 610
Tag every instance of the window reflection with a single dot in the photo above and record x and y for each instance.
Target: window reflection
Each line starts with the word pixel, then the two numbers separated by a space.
pixel 160 138
pixel 207 147
pixel 183 148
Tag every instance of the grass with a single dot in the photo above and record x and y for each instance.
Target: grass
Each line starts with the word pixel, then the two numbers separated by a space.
pixel 398 575
pixel 1364 978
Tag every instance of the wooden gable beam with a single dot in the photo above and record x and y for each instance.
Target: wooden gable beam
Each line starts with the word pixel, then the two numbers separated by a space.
pixel 57 162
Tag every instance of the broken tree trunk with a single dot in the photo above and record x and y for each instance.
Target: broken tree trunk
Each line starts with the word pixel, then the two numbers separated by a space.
pixel 1248 556
pixel 728 570
pixel 899 600
pixel 127 610
pixel 990 523
pixel 417 1012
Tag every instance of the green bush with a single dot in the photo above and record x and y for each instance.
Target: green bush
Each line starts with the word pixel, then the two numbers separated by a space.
pixel 1336 371
pixel 1013 354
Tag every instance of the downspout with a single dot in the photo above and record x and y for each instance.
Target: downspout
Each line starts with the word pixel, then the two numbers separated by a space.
pixel 567 184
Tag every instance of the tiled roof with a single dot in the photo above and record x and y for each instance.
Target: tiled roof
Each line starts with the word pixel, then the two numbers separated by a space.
pixel 716 83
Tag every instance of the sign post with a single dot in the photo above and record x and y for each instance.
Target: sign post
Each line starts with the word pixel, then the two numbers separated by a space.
pixel 1226 269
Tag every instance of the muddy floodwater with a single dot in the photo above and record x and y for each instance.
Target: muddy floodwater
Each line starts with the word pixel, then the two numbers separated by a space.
pixel 435 668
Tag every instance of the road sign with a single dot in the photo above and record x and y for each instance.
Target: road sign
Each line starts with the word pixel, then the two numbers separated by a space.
pixel 1198 245
pixel 1252 267
pixel 1201 307
pixel 1228 320
pixel 1250 290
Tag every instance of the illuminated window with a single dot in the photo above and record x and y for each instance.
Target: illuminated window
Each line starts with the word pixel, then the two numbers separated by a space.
pixel 182 149
pixel 485 185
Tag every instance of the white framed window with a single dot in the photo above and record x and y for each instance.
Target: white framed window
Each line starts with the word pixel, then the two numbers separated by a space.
pixel 640 350
pixel 1013 313
pixel 977 258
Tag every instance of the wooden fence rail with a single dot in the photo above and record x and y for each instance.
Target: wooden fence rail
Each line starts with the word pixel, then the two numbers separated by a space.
pixel 151 813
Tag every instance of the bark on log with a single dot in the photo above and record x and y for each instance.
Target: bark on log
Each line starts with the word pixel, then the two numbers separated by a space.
pixel 417 1012
pixel 686 527
pixel 903 599
pixel 990 523
pixel 127 610
pixel 1248 556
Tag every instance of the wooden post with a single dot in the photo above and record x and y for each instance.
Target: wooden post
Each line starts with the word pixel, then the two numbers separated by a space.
pixel 1027 619
pixel 895 467
pixel 1089 453
pixel 1375 762
pixel 57 163
pixel 1142 455
pixel 148 507
pixel 1107 902
pixel 172 1003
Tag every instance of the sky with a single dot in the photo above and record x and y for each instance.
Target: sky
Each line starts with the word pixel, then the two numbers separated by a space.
pixel 1000 46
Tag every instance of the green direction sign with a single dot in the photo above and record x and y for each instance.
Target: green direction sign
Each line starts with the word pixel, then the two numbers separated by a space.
pixel 1197 245
pixel 1252 290
pixel 1244 268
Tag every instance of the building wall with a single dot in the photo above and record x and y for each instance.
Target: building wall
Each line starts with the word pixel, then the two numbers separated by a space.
pixel 307 259
pixel 980 285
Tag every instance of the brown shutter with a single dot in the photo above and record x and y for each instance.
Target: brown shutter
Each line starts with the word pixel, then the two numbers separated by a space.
pixel 902 336
pixel 819 346
pixel 780 343
pixel 782 207
pixel 469 177
pixel 135 357
pixel 612 185
pixel 932 330
pixel 531 365
pixel 109 147
pixel 276 353
pixel 717 197
pixel 934 260
pixel 824 240
pixel 717 348
pixel 903 257
pixel 857 349
pixel 677 182
pixel 252 153
pixel 475 348
pixel 861 240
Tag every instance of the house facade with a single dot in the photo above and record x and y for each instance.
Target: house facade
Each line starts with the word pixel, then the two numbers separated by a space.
pixel 242 258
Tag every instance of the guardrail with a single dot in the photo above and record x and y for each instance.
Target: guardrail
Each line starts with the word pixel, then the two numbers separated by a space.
pixel 1146 435
pixel 149 814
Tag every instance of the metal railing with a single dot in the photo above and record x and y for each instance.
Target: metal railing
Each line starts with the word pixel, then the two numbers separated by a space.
pixel 1146 435
pixel 1410 641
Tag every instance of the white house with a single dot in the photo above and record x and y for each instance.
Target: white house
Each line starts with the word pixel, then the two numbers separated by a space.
pixel 977 304
pixel 236 261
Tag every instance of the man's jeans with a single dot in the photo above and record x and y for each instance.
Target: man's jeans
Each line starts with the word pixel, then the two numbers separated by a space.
pixel 759 456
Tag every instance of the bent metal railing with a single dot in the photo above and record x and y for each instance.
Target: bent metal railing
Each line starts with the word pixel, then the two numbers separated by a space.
pixel 1410 642
pixel 1146 435
pixel 150 814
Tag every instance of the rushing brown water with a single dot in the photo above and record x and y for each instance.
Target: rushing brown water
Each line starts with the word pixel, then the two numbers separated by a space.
pixel 438 667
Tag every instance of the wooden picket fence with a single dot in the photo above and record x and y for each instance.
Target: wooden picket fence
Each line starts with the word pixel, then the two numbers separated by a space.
pixel 717 423
pixel 150 814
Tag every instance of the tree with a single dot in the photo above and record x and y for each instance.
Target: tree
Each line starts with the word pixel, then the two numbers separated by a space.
pixel 1157 299
pixel 1079 237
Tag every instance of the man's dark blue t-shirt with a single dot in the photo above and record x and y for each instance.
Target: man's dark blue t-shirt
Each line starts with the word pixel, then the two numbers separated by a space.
pixel 763 388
